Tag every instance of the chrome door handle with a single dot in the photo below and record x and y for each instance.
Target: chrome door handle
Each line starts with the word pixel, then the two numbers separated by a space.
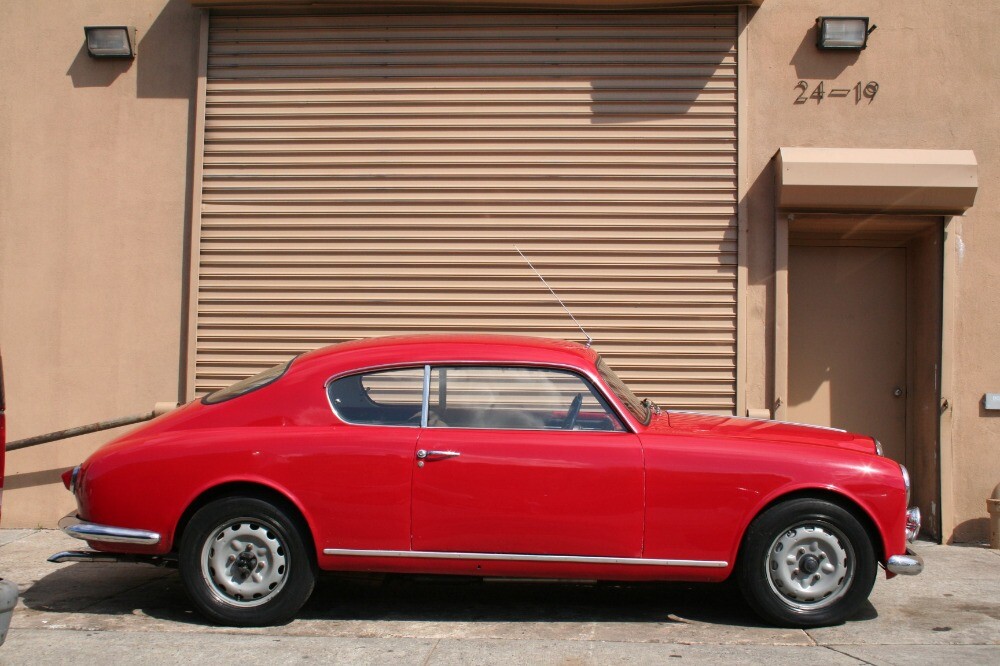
pixel 424 454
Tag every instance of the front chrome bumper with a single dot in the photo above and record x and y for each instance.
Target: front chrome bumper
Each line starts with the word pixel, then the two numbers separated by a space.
pixel 79 529
pixel 905 565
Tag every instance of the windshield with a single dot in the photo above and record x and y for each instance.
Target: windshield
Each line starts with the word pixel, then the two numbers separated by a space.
pixel 630 400
pixel 247 385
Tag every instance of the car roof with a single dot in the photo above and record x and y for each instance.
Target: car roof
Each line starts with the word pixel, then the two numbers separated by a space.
pixel 459 348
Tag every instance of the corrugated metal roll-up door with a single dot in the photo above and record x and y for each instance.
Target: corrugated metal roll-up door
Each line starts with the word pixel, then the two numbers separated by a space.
pixel 368 175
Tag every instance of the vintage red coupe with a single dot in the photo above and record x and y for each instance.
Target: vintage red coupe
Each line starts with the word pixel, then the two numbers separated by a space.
pixel 487 456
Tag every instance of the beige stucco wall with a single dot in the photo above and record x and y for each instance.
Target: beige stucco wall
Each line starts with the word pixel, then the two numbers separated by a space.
pixel 94 174
pixel 938 70
pixel 95 187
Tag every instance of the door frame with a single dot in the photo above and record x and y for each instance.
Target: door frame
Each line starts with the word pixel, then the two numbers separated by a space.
pixel 951 231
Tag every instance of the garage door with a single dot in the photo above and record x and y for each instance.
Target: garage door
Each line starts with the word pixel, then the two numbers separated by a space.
pixel 370 175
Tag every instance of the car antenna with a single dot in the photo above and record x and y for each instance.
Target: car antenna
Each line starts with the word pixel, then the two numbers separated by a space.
pixel 582 329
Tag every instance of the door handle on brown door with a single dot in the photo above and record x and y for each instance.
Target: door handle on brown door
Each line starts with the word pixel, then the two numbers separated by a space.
pixel 898 392
pixel 436 455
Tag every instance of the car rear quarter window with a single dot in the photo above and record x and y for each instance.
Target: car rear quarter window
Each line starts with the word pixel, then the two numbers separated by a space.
pixel 385 397
pixel 248 385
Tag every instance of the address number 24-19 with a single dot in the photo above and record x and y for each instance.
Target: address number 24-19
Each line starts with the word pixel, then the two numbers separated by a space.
pixel 861 91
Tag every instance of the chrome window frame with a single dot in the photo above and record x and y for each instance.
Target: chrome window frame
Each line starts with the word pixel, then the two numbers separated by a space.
pixel 599 395
pixel 381 368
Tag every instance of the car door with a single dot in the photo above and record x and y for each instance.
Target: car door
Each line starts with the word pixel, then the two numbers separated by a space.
pixel 365 496
pixel 524 461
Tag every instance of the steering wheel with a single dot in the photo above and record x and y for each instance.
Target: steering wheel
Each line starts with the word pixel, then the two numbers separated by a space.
pixel 573 412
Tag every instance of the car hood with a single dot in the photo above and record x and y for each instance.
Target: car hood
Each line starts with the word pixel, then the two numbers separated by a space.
pixel 758 430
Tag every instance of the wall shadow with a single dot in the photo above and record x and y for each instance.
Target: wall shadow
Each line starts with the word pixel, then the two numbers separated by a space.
pixel 812 63
pixel 32 479
pixel 87 72
pixel 168 53
pixel 613 102
pixel 974 532
pixel 758 201
pixel 987 413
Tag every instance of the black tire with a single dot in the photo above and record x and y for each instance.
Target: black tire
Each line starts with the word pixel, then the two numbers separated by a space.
pixel 244 562
pixel 806 563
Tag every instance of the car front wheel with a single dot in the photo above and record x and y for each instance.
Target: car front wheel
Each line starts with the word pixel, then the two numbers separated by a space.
pixel 244 562
pixel 806 563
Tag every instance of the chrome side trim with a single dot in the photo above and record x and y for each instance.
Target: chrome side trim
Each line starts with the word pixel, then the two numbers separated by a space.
pixel 78 529
pixel 512 557
pixel 910 564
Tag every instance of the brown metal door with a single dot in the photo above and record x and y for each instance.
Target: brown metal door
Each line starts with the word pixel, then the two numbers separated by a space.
pixel 847 340
pixel 369 175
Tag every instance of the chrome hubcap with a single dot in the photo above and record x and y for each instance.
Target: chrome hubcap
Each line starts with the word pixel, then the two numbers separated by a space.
pixel 810 566
pixel 244 562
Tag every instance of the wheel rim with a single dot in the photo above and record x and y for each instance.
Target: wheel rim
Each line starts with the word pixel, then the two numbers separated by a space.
pixel 244 562
pixel 810 565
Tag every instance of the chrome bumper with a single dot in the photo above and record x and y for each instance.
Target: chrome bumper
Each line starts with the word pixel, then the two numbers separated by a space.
pixel 905 565
pixel 78 529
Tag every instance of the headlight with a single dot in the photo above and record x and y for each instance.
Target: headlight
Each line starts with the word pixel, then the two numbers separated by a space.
pixel 906 482
pixel 878 447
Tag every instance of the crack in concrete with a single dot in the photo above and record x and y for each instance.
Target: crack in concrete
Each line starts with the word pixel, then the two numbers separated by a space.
pixel 23 536
pixel 850 656
pixel 434 647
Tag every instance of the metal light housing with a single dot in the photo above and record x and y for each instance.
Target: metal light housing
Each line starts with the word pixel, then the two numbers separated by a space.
pixel 110 41
pixel 842 33
pixel 912 523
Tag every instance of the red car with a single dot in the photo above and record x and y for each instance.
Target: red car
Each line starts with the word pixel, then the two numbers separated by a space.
pixel 487 456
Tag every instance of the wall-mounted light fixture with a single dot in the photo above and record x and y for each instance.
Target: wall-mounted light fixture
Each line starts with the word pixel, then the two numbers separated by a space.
pixel 110 41
pixel 843 33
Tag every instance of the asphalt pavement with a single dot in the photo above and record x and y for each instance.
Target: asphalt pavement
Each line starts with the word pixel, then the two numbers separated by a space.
pixel 138 614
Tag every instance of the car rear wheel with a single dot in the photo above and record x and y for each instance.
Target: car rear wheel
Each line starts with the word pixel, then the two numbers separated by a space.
pixel 244 562
pixel 806 563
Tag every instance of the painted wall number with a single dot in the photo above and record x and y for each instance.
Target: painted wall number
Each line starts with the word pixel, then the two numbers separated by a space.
pixel 861 91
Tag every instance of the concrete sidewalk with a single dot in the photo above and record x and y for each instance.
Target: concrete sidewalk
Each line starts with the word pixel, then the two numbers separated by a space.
pixel 138 614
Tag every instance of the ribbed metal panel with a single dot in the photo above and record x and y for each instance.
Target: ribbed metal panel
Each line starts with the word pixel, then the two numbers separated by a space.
pixel 368 175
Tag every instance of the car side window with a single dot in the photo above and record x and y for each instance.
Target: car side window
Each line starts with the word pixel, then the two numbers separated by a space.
pixel 518 398
pixel 385 397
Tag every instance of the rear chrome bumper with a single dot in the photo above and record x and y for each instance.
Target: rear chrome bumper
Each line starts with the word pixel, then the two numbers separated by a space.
pixel 905 565
pixel 79 529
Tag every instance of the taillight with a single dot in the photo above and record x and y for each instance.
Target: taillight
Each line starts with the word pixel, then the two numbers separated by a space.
pixel 70 478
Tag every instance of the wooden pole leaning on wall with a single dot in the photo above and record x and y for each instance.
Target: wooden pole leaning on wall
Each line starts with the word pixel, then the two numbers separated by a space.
pixel 159 409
